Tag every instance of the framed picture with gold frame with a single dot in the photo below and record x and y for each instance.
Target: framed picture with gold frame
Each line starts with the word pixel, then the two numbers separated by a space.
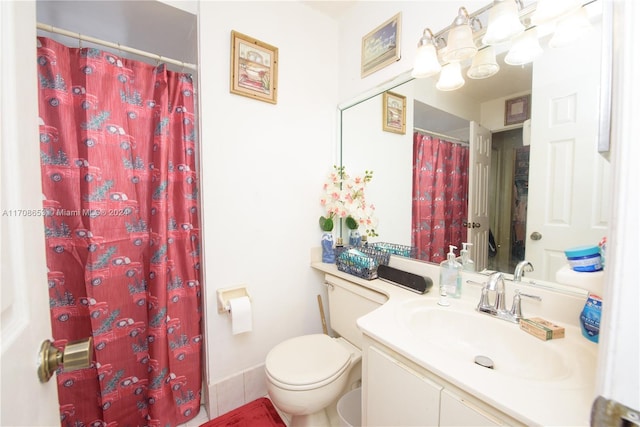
pixel 254 68
pixel 394 112
pixel 381 46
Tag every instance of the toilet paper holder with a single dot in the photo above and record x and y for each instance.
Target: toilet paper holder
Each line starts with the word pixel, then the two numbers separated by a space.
pixel 226 294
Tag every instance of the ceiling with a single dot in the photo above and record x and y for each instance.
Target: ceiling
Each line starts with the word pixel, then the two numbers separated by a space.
pixel 333 8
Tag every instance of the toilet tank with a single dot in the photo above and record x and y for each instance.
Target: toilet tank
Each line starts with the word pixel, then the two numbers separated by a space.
pixel 349 301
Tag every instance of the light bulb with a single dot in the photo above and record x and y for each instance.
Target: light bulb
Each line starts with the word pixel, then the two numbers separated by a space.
pixel 450 77
pixel 570 28
pixel 460 45
pixel 525 49
pixel 484 64
pixel 504 23
pixel 548 10
pixel 426 63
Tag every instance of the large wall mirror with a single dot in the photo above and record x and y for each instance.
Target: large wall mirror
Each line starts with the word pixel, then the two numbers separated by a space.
pixel 547 186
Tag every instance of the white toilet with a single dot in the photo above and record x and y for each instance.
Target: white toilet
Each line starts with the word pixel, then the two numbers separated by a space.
pixel 307 375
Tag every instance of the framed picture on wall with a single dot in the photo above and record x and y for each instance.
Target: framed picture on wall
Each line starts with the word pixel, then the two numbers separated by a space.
pixel 381 46
pixel 254 68
pixel 517 110
pixel 394 112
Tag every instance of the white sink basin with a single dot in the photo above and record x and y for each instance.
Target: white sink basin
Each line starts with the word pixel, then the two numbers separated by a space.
pixel 462 334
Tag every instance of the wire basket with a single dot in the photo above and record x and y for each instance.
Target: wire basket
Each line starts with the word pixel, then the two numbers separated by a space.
pixel 395 249
pixel 360 261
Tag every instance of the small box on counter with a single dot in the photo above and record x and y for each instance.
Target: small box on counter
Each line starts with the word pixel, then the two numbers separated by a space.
pixel 540 328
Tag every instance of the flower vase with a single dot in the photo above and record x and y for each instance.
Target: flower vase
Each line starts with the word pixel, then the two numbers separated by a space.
pixel 328 252
pixel 355 238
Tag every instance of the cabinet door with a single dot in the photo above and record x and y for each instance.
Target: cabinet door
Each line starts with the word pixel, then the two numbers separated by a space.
pixel 455 411
pixel 397 395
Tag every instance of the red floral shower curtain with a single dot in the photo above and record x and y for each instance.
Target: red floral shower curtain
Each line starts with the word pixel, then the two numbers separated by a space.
pixel 120 192
pixel 440 187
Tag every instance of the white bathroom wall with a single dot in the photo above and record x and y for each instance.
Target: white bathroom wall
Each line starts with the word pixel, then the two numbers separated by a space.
pixel 364 16
pixel 262 167
pixel 493 113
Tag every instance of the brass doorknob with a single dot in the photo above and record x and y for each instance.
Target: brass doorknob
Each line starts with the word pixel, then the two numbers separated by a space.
pixel 76 355
pixel 536 236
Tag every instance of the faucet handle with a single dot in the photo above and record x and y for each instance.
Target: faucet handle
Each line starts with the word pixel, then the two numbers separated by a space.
pixel 484 304
pixel 516 307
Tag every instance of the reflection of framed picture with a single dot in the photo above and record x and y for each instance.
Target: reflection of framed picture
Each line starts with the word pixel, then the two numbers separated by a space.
pixel 254 68
pixel 381 46
pixel 517 110
pixel 394 109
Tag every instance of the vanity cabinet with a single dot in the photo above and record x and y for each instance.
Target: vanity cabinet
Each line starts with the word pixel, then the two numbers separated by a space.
pixel 399 392
pixel 455 410
pixel 396 394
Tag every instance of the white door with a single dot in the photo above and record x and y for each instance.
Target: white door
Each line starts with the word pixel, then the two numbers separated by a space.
pixel 25 306
pixel 567 206
pixel 478 211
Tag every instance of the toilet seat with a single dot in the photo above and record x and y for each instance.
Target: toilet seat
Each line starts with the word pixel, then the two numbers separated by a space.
pixel 306 362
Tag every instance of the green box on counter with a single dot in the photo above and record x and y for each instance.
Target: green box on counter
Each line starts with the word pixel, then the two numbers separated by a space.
pixel 540 328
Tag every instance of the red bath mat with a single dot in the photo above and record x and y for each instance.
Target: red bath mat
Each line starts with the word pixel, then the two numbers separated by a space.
pixel 259 413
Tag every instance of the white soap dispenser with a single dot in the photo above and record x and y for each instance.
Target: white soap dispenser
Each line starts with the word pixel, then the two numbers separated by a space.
pixel 450 279
pixel 465 258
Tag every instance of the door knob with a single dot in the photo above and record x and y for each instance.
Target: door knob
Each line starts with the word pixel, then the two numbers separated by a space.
pixel 76 355
pixel 536 236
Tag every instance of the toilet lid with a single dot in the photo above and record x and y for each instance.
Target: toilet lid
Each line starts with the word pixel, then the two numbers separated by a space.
pixel 307 359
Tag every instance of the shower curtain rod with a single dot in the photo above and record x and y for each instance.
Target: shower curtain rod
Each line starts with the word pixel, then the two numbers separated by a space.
pixel 441 135
pixel 118 46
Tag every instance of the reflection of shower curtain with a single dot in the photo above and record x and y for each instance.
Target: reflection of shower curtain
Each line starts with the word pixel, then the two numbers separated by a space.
pixel 440 187
pixel 121 225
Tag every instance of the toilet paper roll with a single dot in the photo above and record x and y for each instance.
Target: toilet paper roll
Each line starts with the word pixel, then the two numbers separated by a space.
pixel 241 320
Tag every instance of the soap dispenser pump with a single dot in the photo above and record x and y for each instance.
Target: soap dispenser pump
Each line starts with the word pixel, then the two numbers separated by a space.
pixel 465 258
pixel 450 279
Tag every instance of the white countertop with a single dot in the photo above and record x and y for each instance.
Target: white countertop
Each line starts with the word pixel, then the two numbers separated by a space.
pixel 565 401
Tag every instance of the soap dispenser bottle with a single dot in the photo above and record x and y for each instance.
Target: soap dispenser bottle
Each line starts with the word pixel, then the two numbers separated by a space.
pixel 465 258
pixel 450 279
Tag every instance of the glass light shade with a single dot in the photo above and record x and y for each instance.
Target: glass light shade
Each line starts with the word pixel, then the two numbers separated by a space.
pixel 484 64
pixel 427 63
pixel 450 77
pixel 525 48
pixel 570 28
pixel 548 10
pixel 504 22
pixel 460 45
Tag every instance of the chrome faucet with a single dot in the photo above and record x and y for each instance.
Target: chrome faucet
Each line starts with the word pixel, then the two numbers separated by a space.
pixel 521 267
pixel 498 309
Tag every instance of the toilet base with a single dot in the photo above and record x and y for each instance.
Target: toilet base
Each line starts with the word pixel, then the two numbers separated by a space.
pixel 319 419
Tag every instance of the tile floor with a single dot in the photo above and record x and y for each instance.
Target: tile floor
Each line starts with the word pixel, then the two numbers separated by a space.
pixel 199 419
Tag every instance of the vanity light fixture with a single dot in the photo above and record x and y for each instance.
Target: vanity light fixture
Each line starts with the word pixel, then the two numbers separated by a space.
pixel 504 22
pixel 504 26
pixel 427 63
pixel 549 10
pixel 570 28
pixel 484 64
pixel 450 77
pixel 460 44
pixel 525 48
